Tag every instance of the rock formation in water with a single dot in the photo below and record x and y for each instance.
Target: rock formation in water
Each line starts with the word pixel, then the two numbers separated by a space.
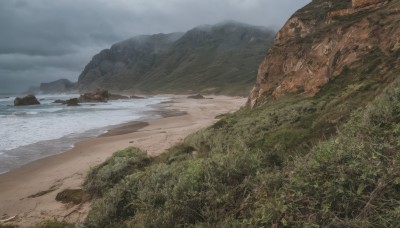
pixel 99 95
pixel 72 102
pixel 27 100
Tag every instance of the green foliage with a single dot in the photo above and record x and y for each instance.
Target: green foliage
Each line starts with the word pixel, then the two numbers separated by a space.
pixel 351 180
pixel 121 164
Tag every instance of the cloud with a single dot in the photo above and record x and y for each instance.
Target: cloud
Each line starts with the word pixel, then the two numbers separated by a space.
pixel 50 39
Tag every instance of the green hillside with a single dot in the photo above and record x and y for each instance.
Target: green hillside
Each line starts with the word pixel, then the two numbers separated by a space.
pixel 287 162
pixel 218 59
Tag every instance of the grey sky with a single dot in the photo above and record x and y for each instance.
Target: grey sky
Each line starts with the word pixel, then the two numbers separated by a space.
pixel 45 40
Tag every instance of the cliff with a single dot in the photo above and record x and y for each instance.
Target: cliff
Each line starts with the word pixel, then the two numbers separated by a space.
pixel 219 58
pixel 324 39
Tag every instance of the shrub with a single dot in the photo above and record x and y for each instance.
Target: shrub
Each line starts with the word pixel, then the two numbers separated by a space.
pixel 109 173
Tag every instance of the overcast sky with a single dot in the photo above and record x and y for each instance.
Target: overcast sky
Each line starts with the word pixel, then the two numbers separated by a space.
pixel 45 40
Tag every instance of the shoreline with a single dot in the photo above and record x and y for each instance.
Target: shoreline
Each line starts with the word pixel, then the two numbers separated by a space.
pixel 20 188
pixel 34 132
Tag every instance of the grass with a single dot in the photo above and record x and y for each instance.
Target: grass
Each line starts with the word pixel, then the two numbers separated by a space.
pixel 351 180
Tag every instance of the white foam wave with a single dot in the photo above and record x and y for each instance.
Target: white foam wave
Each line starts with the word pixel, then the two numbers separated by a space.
pixel 26 127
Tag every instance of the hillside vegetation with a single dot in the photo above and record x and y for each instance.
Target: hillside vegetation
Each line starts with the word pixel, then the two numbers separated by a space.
pixel 330 160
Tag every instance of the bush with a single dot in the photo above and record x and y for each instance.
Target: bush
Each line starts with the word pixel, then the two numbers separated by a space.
pixel 103 177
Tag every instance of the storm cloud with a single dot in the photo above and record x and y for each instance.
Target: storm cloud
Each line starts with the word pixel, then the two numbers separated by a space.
pixel 44 40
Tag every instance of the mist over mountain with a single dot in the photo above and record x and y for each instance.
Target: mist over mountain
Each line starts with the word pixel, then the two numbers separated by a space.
pixel 220 58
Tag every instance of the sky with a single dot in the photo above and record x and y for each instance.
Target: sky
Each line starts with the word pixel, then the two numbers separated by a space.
pixel 46 40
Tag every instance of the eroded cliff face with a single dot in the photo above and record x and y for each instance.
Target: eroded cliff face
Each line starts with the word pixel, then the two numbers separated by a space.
pixel 322 40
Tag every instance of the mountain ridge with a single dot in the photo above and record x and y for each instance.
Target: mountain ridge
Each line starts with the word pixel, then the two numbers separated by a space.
pixel 207 59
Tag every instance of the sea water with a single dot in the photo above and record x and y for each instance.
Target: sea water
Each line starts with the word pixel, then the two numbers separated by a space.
pixel 28 133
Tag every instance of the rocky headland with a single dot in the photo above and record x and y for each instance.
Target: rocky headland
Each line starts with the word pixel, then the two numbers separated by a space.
pixel 309 52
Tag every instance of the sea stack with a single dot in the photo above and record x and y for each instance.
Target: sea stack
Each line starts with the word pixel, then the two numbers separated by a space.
pixel 27 100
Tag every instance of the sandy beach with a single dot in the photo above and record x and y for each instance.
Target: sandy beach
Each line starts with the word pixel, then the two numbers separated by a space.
pixel 27 195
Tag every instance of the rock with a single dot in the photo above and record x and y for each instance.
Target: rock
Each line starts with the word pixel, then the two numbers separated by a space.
pixel 136 97
pixel 117 97
pixel 72 102
pixel 362 3
pixel 198 96
pixel 28 100
pixel 59 102
pixel 100 95
pixel 74 196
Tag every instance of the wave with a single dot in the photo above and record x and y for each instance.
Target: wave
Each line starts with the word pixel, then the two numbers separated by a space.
pixel 24 113
pixel 32 125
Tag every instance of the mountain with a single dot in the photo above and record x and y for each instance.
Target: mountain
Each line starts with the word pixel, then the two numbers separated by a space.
pixel 219 58
pixel 317 145
pixel 58 86
pixel 125 62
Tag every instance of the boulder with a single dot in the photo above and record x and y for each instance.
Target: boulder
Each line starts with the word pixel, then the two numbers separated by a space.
pixel 28 100
pixel 100 95
pixel 59 102
pixel 136 97
pixel 72 102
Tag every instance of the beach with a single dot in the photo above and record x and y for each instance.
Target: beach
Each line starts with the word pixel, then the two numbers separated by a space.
pixel 27 194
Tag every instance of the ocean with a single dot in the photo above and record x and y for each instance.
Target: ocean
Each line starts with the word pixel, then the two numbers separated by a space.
pixel 28 133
